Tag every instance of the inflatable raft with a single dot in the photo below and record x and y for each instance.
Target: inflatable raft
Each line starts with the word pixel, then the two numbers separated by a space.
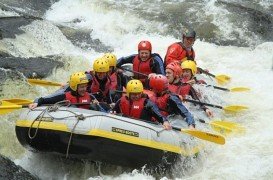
pixel 98 136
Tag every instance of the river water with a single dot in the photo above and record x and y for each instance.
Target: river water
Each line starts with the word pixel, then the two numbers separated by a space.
pixel 234 38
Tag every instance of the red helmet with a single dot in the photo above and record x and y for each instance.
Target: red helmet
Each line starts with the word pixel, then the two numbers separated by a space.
pixel 177 70
pixel 159 83
pixel 145 45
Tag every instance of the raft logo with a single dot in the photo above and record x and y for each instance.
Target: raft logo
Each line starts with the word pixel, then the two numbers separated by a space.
pixel 124 131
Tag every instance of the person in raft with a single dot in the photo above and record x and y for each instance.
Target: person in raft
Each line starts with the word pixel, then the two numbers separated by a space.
pixel 180 51
pixel 145 62
pixel 78 94
pixel 135 104
pixel 168 102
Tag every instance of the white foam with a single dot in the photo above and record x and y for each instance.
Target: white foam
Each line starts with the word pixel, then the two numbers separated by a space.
pixel 245 157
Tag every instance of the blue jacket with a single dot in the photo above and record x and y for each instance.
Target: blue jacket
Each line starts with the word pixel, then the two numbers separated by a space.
pixel 175 106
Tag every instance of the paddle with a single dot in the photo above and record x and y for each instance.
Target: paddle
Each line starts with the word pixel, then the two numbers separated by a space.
pixel 43 82
pixel 221 79
pixel 218 139
pixel 235 89
pixel 224 127
pixel 18 101
pixel 136 72
pixel 228 109
pixel 7 107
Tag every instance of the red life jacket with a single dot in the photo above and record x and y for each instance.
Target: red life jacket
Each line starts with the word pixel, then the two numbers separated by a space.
pixel 142 67
pixel 182 89
pixel 161 102
pixel 114 81
pixel 150 94
pixel 111 84
pixel 131 109
pixel 81 99
pixel 176 52
pixel 189 54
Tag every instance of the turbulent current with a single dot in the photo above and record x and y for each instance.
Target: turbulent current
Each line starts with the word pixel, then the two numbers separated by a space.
pixel 234 38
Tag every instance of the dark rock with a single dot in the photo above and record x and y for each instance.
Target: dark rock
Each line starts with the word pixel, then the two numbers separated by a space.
pixel 41 66
pixel 9 26
pixel 9 170
pixel 83 39
pixel 35 8
pixel 259 21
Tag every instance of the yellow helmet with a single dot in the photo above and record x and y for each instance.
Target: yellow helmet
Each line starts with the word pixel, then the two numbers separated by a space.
pixel 188 64
pixel 134 86
pixel 111 58
pixel 76 79
pixel 101 65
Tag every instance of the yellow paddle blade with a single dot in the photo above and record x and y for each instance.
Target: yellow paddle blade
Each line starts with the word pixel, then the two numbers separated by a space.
pixel 239 89
pixel 6 103
pixel 222 79
pixel 19 101
pixel 7 107
pixel 42 82
pixel 205 136
pixel 221 129
pixel 234 109
pixel 226 127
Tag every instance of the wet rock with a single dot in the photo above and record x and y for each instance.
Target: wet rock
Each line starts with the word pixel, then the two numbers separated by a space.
pixel 10 74
pixel 9 170
pixel 35 8
pixel 10 26
pixel 260 22
pixel 3 54
pixel 40 66
pixel 83 39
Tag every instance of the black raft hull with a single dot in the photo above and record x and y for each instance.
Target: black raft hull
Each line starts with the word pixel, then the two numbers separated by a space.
pixel 93 148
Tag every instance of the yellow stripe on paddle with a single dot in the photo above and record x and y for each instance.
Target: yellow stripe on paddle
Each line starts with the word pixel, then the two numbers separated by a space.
pixel 224 127
pixel 239 89
pixel 43 82
pixel 7 107
pixel 18 101
pixel 222 79
pixel 234 108
pixel 218 139
pixel 205 136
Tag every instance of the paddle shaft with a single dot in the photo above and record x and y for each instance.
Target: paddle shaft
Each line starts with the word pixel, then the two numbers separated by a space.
pixel 176 128
pixel 217 87
pixel 125 69
pixel 205 72
pixel 203 103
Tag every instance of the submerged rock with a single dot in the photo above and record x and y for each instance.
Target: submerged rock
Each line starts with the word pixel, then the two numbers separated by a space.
pixel 40 67
pixel 9 170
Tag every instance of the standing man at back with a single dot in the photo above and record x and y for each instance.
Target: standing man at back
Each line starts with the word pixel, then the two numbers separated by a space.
pixel 180 51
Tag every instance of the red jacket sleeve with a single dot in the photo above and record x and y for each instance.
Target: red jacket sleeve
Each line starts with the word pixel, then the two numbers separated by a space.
pixel 174 53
